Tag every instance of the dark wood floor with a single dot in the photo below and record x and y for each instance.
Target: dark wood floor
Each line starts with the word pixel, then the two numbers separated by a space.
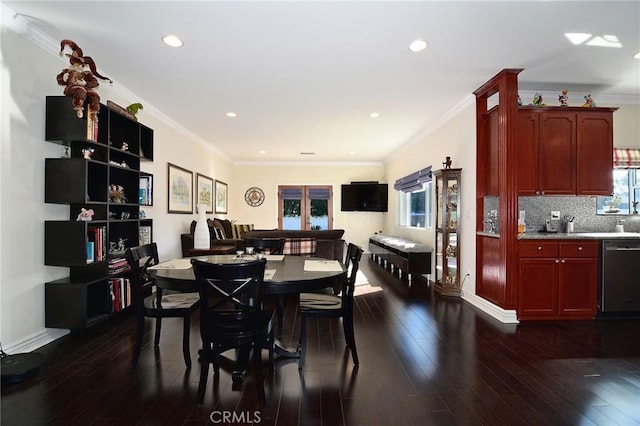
pixel 423 360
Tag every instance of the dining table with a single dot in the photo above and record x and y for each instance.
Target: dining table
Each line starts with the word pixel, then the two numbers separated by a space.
pixel 284 275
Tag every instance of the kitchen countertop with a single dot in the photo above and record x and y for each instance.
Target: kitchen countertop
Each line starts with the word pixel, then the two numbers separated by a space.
pixel 577 235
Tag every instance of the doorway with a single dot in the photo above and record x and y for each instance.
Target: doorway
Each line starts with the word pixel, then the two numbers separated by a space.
pixel 305 207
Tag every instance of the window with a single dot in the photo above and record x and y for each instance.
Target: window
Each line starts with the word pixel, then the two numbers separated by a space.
pixel 415 194
pixel 415 207
pixel 305 207
pixel 626 191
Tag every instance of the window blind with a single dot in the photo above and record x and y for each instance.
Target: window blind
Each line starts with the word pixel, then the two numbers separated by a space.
pixel 626 158
pixel 414 181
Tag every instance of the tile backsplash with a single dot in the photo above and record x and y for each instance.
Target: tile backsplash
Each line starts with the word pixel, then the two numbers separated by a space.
pixel 583 209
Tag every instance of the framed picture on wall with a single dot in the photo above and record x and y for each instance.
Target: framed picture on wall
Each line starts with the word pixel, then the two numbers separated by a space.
pixel 179 189
pixel 221 197
pixel 204 191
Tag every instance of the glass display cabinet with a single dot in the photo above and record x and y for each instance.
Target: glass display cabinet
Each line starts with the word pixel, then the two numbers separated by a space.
pixel 447 249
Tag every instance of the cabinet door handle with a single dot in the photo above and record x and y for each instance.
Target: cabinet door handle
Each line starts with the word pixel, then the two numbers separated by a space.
pixel 562 261
pixel 557 261
pixel 580 248
pixel 539 248
pixel 537 192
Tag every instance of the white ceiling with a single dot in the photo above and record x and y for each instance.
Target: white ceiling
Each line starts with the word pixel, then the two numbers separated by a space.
pixel 304 76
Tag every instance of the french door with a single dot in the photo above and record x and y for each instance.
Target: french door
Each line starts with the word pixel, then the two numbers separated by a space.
pixel 305 207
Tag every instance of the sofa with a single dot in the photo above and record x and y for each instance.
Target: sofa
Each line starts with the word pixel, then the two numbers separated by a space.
pixel 329 243
pixel 217 228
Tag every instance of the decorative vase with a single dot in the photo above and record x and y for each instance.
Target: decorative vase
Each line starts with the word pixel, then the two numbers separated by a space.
pixel 201 237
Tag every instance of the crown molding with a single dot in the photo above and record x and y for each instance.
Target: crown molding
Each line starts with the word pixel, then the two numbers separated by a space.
pixel 21 26
pixel 441 121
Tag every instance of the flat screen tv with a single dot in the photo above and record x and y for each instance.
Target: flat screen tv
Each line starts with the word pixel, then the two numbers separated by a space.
pixel 365 197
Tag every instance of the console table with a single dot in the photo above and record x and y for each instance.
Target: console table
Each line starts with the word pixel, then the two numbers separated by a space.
pixel 400 257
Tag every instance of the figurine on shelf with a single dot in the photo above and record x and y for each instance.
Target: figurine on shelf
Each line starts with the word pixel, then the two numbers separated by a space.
pixel 588 101
pixel 117 248
pixel 133 109
pixel 537 100
pixel 87 153
pixel 85 215
pixel 116 194
pixel 79 80
pixel 564 98
pixel 447 162
pixel 125 146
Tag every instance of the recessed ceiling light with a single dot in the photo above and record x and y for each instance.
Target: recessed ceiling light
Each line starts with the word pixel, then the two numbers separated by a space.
pixel 352 152
pixel 637 55
pixel 262 151
pixel 172 41
pixel 417 45
pixel 374 115
pixel 231 114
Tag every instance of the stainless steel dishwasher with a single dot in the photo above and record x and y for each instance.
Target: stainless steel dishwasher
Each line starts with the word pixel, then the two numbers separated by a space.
pixel 620 281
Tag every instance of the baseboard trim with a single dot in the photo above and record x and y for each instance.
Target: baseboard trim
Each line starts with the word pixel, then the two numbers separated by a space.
pixel 36 340
pixel 507 316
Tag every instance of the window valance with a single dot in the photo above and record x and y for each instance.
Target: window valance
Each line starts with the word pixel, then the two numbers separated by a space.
pixel 414 181
pixel 626 158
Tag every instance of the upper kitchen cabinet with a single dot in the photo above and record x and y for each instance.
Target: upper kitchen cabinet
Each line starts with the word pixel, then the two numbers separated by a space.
pixel 570 150
pixel 595 153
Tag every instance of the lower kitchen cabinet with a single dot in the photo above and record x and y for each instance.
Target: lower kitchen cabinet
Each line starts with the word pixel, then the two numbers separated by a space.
pixel 557 279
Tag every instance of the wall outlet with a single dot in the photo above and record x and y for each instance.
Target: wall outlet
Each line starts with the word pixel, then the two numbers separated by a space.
pixel 555 214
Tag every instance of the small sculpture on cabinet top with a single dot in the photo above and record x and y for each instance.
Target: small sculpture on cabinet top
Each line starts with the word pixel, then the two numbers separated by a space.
pixel 537 100
pixel 564 98
pixel 588 101
pixel 447 162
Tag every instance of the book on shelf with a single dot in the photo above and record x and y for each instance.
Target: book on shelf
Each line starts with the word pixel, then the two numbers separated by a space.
pixel 97 236
pixel 92 127
pixel 120 294
pixel 90 251
pixel 118 265
pixel 145 191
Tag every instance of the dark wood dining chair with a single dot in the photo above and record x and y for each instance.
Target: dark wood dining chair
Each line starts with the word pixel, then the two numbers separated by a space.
pixel 321 305
pixel 232 316
pixel 154 301
pixel 265 245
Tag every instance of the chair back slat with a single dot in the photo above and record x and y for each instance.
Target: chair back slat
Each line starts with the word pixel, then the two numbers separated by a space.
pixel 354 254
pixel 230 296
pixel 139 259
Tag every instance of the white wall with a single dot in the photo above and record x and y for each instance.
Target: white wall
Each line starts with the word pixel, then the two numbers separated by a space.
pixel 626 126
pixel 455 138
pixel 358 226
pixel 28 75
